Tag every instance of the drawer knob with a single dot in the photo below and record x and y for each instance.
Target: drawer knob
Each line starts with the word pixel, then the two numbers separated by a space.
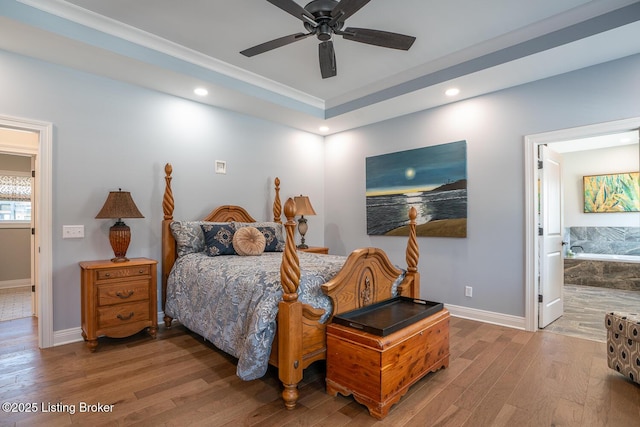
pixel 121 317
pixel 107 274
pixel 124 296
pixel 141 271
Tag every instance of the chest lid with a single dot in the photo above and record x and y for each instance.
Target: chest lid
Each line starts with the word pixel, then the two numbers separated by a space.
pixel 388 316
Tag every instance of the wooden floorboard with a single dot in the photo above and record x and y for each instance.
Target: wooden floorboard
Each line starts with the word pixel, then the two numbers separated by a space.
pixel 497 377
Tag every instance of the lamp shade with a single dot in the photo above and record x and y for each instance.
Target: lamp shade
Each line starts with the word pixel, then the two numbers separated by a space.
pixel 119 204
pixel 303 205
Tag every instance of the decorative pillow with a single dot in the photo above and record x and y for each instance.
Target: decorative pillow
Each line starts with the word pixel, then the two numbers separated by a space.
pixel 273 232
pixel 188 235
pixel 218 238
pixel 248 241
pixel 271 241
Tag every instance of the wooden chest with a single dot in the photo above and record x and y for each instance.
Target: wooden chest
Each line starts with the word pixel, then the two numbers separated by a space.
pixel 378 370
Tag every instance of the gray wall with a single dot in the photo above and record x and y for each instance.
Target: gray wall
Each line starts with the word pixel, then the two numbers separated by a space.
pixel 15 250
pixel 491 258
pixel 109 134
pixel 15 253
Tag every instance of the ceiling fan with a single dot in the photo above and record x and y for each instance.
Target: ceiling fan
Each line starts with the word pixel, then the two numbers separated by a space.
pixel 323 18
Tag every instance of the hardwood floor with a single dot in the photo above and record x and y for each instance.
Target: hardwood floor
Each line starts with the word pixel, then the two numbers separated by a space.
pixel 497 377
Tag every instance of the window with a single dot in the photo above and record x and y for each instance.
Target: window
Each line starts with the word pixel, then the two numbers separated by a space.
pixel 15 197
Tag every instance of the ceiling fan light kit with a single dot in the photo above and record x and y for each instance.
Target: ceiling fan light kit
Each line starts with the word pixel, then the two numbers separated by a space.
pixel 323 19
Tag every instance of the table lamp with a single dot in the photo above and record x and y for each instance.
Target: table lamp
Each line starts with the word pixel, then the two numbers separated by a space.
pixel 118 205
pixel 303 207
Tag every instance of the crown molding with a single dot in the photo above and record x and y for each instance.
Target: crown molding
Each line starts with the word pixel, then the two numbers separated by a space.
pixel 92 20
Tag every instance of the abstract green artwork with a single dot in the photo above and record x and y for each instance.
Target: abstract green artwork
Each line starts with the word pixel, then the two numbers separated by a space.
pixel 612 193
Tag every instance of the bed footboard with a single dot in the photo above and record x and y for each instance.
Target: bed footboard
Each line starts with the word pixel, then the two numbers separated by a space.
pixel 366 278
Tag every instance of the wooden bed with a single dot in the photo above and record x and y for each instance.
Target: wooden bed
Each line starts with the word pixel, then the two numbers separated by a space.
pixel 366 278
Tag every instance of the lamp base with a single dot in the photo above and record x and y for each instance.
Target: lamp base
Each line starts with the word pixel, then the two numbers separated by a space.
pixel 120 237
pixel 302 229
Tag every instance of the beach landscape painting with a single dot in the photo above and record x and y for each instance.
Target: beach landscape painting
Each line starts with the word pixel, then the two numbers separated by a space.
pixel 431 179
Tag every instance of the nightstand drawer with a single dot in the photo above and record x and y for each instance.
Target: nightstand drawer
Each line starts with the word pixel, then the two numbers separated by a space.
pixel 114 273
pixel 123 314
pixel 119 293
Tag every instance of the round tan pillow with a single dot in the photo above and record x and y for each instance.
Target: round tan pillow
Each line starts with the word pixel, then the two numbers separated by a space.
pixel 248 241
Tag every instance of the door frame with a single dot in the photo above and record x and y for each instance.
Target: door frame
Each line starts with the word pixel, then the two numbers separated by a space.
pixel 532 252
pixel 43 223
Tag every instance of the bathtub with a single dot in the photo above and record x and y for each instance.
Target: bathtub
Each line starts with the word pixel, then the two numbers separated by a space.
pixel 603 270
pixel 606 257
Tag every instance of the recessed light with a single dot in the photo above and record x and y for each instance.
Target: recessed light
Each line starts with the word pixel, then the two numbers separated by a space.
pixel 452 91
pixel 323 128
pixel 200 91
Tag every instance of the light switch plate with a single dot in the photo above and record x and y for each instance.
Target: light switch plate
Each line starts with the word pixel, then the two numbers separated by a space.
pixel 73 231
pixel 221 166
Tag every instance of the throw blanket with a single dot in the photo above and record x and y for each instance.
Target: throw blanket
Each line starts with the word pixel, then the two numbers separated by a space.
pixel 232 300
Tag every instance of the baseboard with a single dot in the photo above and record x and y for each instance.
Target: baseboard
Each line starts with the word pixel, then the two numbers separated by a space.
pixel 507 320
pixel 18 283
pixel 68 336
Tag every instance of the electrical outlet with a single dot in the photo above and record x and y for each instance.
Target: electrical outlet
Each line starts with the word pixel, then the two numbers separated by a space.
pixel 468 291
pixel 73 231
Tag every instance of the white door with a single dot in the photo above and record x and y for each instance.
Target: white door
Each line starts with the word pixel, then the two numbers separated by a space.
pixel 551 278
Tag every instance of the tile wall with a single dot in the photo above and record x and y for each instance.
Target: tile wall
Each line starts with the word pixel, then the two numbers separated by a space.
pixel 604 240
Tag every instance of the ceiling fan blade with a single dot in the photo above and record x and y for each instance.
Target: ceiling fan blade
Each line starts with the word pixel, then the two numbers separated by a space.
pixel 273 44
pixel 327 59
pixel 294 9
pixel 345 9
pixel 378 38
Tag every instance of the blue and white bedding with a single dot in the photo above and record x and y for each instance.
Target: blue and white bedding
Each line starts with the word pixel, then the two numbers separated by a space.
pixel 233 300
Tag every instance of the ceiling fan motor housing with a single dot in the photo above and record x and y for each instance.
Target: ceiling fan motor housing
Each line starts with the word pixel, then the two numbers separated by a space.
pixel 321 10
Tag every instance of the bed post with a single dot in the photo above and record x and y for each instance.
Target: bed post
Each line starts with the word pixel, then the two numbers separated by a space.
pixel 277 207
pixel 168 242
pixel 290 315
pixel 412 256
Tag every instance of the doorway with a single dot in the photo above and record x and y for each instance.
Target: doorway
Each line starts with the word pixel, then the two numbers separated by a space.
pixel 17 286
pixel 42 153
pixel 532 176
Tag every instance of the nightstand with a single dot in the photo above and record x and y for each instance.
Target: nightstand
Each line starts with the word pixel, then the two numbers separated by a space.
pixel 316 250
pixel 118 299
